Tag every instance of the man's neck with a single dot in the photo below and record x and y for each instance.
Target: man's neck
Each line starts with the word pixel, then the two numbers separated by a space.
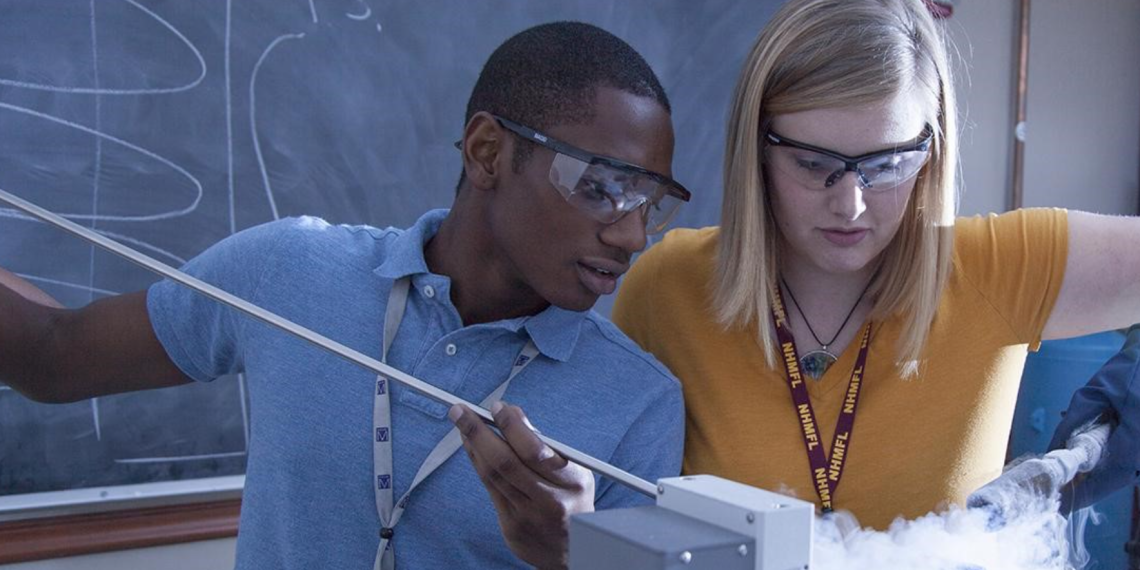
pixel 483 288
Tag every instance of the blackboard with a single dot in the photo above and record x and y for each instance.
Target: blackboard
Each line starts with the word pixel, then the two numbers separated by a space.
pixel 169 125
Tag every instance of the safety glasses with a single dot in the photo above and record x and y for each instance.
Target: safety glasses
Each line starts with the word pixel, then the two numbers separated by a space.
pixel 817 168
pixel 604 188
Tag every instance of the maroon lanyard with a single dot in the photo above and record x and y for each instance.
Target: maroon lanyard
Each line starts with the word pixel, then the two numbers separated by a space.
pixel 825 470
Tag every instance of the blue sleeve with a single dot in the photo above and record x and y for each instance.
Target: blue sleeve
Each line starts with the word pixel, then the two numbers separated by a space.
pixel 1112 395
pixel 202 336
pixel 651 449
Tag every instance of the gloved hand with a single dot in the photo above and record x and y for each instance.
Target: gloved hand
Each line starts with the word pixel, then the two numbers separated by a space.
pixel 1114 394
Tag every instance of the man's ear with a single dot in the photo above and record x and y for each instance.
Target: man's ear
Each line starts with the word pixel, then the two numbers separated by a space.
pixel 484 143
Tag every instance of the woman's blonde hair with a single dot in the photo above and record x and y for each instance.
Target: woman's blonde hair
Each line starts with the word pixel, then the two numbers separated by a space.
pixel 817 54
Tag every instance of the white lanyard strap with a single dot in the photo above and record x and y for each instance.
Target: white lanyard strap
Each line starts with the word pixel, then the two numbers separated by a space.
pixel 394 314
pixel 382 426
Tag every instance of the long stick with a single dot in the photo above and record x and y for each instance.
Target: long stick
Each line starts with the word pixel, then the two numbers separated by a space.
pixel 596 465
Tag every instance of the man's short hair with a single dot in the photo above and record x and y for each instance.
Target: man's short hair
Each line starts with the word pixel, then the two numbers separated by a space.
pixel 548 75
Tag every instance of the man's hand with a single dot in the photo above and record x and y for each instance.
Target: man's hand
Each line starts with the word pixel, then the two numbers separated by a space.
pixel 534 489
pixel 1113 394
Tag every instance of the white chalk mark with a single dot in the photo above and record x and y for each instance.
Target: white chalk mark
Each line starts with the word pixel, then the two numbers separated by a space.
pixel 120 237
pixel 313 10
pixel 379 28
pixel 361 17
pixel 95 416
pixel 100 91
pixel 98 150
pixel 253 119
pixel 244 411
pixel 181 458
pixel 179 260
pixel 95 191
pixel 95 217
pixel 230 172
pixel 150 218
pixel 59 283
pixel 229 122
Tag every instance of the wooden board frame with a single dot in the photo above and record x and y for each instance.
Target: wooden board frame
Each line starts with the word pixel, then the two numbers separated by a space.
pixel 74 535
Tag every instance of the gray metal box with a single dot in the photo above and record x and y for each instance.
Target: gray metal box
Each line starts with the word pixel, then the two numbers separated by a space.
pixel 654 538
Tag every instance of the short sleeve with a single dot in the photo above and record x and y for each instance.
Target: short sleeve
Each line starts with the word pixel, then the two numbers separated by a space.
pixel 202 336
pixel 1017 262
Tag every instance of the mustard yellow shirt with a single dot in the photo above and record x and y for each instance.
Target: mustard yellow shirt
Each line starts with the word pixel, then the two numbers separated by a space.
pixel 918 444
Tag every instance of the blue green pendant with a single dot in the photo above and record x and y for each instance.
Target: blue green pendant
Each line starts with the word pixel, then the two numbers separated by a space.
pixel 816 363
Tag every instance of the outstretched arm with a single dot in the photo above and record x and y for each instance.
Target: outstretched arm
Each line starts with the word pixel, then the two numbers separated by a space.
pixel 27 290
pixel 51 354
pixel 1101 288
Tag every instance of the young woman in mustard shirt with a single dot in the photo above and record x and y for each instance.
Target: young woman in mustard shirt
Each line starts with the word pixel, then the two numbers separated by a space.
pixel 841 335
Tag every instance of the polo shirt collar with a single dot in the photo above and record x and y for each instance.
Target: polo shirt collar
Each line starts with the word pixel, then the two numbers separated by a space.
pixel 405 256
pixel 555 331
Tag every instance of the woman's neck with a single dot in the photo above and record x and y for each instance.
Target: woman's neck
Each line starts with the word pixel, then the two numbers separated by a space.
pixel 824 301
pixel 824 287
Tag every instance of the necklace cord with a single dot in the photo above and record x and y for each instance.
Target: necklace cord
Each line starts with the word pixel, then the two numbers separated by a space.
pixel 822 344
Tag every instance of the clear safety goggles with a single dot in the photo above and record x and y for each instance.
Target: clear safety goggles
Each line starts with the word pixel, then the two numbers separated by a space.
pixel 818 168
pixel 605 188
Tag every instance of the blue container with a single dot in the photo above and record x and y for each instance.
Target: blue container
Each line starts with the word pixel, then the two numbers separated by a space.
pixel 1051 376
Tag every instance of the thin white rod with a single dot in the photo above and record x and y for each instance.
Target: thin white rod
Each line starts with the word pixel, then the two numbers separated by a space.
pixel 596 465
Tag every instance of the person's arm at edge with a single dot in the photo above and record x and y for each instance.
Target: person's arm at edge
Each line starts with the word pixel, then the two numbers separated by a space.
pixel 1101 291
pixel 1101 287
pixel 55 355
pixel 27 290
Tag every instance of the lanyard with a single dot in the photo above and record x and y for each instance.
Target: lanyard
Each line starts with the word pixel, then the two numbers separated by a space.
pixel 382 426
pixel 825 471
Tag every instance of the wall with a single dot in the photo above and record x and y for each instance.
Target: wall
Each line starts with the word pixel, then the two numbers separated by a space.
pixel 1084 105
pixel 1083 109
pixel 981 34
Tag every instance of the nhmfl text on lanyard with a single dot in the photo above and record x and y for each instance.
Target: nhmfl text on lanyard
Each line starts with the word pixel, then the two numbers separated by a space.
pixel 825 471
pixel 389 510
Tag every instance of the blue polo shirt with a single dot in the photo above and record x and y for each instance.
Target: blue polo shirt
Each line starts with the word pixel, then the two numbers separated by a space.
pixel 309 499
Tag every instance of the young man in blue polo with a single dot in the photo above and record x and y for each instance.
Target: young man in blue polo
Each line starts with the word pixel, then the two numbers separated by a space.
pixel 566 158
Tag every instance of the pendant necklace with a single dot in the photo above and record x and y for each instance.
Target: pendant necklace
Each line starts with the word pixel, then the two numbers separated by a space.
pixel 816 362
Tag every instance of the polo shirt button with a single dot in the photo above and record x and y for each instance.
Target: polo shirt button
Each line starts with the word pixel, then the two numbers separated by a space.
pixel 450 349
pixel 429 291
